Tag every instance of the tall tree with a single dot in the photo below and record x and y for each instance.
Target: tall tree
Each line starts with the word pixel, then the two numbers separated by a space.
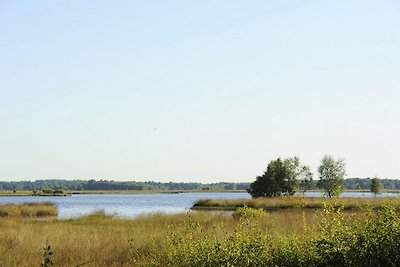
pixel 331 174
pixel 281 178
pixel 376 185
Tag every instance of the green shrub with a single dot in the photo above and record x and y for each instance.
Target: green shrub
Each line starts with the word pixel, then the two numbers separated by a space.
pixel 194 246
pixel 249 213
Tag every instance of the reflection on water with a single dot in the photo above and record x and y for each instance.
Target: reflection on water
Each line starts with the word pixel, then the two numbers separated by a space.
pixel 133 205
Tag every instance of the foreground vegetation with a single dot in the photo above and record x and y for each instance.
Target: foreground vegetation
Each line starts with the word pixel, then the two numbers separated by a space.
pixel 39 209
pixel 331 236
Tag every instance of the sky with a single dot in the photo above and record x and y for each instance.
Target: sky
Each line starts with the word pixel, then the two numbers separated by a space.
pixel 203 91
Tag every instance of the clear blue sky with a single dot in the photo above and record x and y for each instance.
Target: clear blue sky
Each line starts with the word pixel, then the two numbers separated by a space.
pixel 197 90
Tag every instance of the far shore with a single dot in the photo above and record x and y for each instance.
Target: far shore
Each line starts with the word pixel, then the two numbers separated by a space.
pixel 10 193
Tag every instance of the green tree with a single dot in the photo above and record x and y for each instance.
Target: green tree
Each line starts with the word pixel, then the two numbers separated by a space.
pixel 331 174
pixel 306 181
pixel 376 185
pixel 280 179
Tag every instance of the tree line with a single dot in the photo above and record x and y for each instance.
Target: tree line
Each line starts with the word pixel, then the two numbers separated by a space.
pixel 76 185
pixel 301 173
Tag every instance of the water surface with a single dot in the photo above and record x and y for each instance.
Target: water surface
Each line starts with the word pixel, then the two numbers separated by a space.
pixel 123 205
pixel 133 205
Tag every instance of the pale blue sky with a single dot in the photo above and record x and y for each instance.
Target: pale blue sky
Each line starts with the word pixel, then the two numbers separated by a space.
pixel 197 90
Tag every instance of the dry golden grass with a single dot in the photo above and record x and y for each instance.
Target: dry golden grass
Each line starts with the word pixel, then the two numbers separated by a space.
pixel 39 209
pixel 100 240
pixel 279 203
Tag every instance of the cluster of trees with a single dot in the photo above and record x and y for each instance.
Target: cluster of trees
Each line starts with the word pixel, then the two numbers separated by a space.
pixel 285 177
pixel 76 185
pixel 282 177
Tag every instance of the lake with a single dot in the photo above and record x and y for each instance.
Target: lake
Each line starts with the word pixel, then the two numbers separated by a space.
pixel 123 205
pixel 133 205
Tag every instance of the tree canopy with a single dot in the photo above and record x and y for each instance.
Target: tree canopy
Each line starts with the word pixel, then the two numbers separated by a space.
pixel 331 174
pixel 281 178
pixel 376 185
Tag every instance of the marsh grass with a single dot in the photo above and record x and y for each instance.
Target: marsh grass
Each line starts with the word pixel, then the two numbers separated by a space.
pixel 280 203
pixel 39 209
pixel 330 236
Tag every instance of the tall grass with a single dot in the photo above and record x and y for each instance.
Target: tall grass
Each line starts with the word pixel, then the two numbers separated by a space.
pixel 337 240
pixel 39 209
pixel 279 203
pixel 246 237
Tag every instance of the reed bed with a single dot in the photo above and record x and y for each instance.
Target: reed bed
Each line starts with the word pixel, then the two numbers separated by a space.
pixel 279 203
pixel 245 237
pixel 38 209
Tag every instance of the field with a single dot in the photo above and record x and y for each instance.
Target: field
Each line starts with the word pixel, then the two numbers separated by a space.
pixel 329 235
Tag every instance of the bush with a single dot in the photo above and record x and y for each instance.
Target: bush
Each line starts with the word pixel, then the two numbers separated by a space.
pixel 247 246
pixel 249 213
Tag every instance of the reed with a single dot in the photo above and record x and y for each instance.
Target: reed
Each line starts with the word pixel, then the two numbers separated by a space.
pixel 279 203
pixel 39 209
pixel 246 237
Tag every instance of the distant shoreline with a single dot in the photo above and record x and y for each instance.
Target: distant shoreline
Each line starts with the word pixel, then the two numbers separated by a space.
pixel 127 192
pixel 9 193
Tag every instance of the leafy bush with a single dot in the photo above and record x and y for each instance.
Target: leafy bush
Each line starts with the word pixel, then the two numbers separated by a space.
pixel 249 213
pixel 246 246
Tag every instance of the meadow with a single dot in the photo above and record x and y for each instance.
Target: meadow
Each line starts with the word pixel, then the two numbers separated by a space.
pixel 329 235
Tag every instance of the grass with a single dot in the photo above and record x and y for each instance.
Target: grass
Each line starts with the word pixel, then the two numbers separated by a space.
pixel 97 238
pixel 279 203
pixel 100 240
pixel 40 209
pixel 246 237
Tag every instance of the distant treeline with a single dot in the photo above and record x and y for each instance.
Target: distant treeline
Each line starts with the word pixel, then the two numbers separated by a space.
pixel 75 185
pixel 365 183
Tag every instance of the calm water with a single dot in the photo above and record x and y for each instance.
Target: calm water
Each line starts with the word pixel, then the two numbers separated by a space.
pixel 124 205
pixel 132 205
